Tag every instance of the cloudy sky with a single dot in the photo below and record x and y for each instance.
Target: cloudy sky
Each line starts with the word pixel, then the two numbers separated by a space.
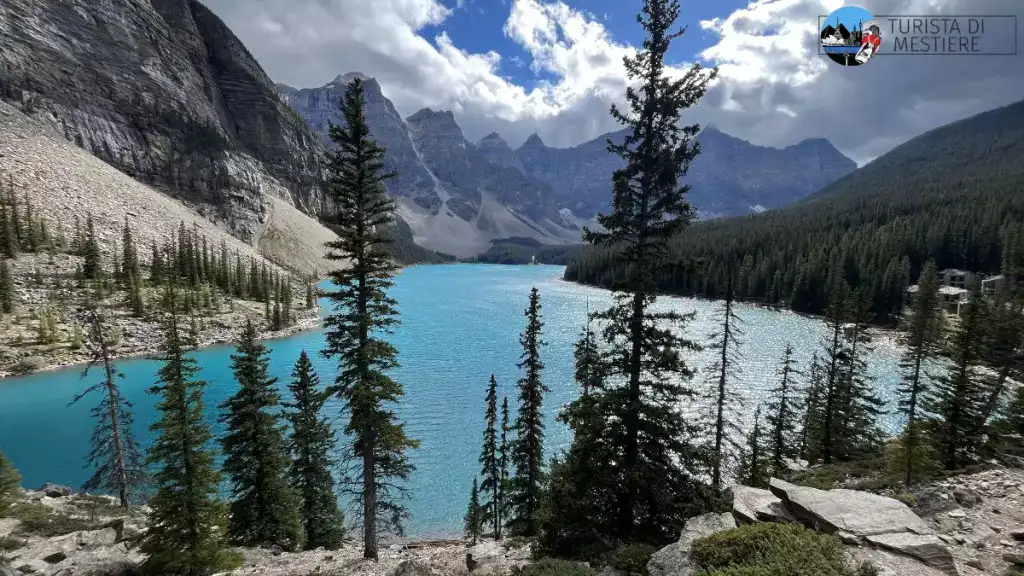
pixel 554 66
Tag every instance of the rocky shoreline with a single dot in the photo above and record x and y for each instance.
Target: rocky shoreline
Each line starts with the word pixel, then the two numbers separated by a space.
pixel 967 525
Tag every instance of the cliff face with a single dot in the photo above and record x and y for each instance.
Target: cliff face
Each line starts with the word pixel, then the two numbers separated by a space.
pixel 162 90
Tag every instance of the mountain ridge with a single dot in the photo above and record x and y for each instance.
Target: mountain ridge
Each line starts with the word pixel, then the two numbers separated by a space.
pixel 554 191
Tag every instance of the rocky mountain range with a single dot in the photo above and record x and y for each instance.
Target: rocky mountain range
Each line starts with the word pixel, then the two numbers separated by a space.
pixel 544 192
pixel 454 198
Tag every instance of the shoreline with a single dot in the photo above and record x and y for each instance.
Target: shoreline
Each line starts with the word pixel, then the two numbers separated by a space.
pixel 304 324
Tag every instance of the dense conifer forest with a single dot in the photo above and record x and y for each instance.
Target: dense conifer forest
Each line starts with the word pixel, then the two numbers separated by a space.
pixel 953 195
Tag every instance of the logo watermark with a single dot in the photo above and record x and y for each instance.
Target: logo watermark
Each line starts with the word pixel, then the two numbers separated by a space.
pixel 851 35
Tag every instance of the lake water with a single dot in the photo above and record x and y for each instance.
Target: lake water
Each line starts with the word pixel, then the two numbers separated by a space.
pixel 460 324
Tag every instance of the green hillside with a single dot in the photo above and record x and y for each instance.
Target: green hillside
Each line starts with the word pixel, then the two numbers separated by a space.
pixel 955 194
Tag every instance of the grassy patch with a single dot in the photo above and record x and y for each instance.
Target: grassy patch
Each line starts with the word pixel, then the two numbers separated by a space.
pixel 9 543
pixel 772 550
pixel 96 506
pixel 632 559
pixel 41 520
pixel 555 567
pixel 868 474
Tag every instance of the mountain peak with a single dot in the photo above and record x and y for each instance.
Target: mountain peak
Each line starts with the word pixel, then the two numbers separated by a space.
pixel 348 77
pixel 534 140
pixel 493 136
pixel 432 115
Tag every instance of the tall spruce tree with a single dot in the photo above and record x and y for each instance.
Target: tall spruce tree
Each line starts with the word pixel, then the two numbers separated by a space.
pixel 491 472
pixel 116 458
pixel 720 399
pixel 860 407
pixel 10 480
pixel 755 468
pixel 655 476
pixel 504 462
pixel 836 314
pixel 6 287
pixel 264 510
pixel 923 334
pixel 92 268
pixel 814 400
pixel 528 446
pixel 957 397
pixel 782 415
pixel 310 444
pixel 474 518
pixel 186 525
pixel 363 314
pixel 8 237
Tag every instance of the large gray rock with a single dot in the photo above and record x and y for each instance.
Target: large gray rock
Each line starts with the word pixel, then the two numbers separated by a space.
pixel 414 568
pixel 750 505
pixel 674 559
pixel 848 512
pixel 56 490
pixel 926 547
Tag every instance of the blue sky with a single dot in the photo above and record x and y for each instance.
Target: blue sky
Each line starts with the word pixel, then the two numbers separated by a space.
pixel 477 26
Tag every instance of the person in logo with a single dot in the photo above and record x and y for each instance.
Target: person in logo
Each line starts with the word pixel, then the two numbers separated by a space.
pixel 869 44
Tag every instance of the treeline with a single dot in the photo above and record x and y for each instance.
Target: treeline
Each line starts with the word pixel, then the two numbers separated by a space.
pixel 951 196
pixel 527 251
pixel 201 273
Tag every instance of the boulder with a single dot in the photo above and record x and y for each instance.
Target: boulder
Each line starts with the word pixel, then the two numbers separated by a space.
pixel 888 563
pixel 1017 534
pixel 859 514
pixel 414 568
pixel 97 538
pixel 927 548
pixel 7 570
pixel 1015 558
pixel 674 559
pixel 750 505
pixel 966 496
pixel 56 490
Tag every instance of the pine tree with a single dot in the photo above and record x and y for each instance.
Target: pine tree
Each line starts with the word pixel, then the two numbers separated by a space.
pixel 77 241
pixel 310 301
pixel 157 268
pixel 504 462
pixel 924 331
pixel 1008 428
pixel 859 408
pixel 6 287
pixel 310 443
pixel 263 507
pixel 720 399
pixel 10 480
pixel 587 358
pixel 185 535
pixel 957 397
pixel 646 373
pixel 116 457
pixel 810 431
pixel 782 415
pixel 835 351
pixel 31 240
pixel 16 223
pixel 491 471
pixel 8 236
pixel 755 469
pixel 528 446
pixel 91 266
pixel 363 315
pixel 474 515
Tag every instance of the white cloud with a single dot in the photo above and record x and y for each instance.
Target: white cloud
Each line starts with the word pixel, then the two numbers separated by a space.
pixel 774 88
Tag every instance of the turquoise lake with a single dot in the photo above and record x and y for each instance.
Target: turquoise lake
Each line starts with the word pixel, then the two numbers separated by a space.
pixel 460 324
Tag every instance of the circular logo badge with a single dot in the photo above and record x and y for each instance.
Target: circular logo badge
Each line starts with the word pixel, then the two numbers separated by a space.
pixel 850 36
